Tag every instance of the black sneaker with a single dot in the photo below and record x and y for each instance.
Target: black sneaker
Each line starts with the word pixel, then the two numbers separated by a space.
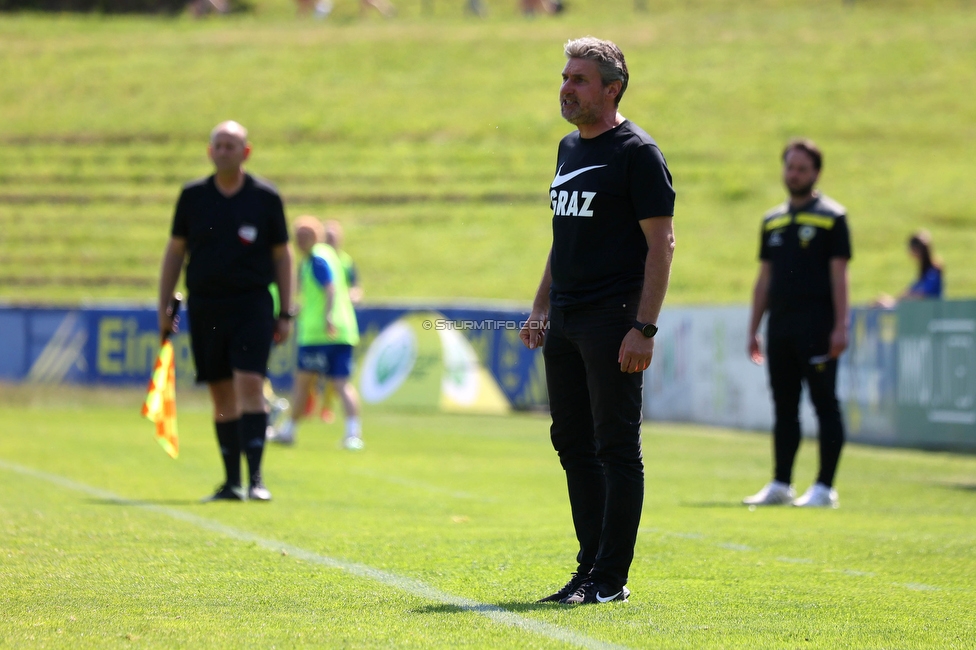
pixel 257 492
pixel 227 492
pixel 592 592
pixel 567 590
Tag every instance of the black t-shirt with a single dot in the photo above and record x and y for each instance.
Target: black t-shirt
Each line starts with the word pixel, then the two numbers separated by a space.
pixel 799 245
pixel 229 239
pixel 603 187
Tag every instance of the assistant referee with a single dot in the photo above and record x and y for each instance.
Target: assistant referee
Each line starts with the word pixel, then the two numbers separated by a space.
pixel 232 228
pixel 804 252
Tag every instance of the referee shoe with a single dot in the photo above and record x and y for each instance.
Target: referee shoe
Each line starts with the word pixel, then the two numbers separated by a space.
pixel 227 492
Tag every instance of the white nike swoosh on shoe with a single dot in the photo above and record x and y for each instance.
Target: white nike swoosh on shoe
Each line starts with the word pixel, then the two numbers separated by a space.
pixel 606 599
pixel 560 178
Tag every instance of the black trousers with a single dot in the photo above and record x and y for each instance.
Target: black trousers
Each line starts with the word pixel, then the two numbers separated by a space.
pixel 796 344
pixel 596 418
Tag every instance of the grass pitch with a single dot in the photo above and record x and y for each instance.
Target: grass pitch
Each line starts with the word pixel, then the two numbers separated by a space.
pixel 433 136
pixel 444 531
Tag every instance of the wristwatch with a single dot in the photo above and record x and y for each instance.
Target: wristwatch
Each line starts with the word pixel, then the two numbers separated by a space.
pixel 288 314
pixel 647 329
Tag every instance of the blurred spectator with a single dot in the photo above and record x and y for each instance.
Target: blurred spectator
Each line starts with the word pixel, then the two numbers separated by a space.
pixel 928 283
pixel 532 7
pixel 202 7
pixel 385 7
pixel 321 8
pixel 473 7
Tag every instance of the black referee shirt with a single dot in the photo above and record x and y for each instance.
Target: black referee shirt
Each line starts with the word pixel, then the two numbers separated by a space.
pixel 799 245
pixel 229 239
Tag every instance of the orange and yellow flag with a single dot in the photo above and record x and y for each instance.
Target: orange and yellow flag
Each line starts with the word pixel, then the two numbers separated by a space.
pixel 160 405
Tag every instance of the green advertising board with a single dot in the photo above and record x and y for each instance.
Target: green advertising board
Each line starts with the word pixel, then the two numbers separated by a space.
pixel 936 362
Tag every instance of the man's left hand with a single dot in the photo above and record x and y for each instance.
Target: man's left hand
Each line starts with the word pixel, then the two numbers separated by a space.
pixel 282 330
pixel 635 353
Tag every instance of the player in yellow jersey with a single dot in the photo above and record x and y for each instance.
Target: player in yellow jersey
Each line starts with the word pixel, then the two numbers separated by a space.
pixel 326 330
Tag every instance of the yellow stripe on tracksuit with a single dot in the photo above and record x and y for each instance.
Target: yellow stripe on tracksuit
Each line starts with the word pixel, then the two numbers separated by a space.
pixel 803 219
pixel 814 220
pixel 778 222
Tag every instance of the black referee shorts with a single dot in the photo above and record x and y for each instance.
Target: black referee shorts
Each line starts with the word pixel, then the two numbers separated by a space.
pixel 231 333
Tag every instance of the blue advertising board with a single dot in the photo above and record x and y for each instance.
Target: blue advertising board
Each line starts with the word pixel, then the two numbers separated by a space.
pixel 906 380
pixel 118 346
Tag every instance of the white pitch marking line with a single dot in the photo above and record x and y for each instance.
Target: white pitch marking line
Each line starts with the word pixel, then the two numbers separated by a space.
pixel 852 572
pixel 408 585
pixel 729 546
pixel 916 586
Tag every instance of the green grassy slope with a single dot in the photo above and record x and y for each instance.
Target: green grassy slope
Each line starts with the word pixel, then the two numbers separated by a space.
pixel 474 508
pixel 433 137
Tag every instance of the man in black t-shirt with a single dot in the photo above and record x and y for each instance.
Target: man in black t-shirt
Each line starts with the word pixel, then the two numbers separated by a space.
pixel 595 309
pixel 232 227
pixel 802 284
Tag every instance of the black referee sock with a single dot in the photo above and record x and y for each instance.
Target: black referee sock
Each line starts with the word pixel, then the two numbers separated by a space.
pixel 253 428
pixel 229 439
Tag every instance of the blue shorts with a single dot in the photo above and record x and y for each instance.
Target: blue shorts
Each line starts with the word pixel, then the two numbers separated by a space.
pixel 330 360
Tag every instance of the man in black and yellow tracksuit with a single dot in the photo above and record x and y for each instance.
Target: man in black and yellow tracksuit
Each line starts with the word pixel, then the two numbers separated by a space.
pixel 803 286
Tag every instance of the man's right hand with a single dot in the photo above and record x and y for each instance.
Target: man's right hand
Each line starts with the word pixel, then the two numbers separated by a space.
pixel 282 330
pixel 755 350
pixel 168 324
pixel 533 332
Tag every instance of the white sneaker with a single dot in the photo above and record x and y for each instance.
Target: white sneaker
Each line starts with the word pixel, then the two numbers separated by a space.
pixel 283 435
pixel 818 496
pixel 774 494
pixel 353 443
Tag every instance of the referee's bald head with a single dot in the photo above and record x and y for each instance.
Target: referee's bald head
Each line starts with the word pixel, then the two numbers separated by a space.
pixel 230 127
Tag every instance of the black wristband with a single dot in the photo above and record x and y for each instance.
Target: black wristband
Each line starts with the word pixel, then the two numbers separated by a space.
pixel 287 315
pixel 647 329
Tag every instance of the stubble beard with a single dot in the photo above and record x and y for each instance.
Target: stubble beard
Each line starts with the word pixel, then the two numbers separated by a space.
pixel 576 114
pixel 800 192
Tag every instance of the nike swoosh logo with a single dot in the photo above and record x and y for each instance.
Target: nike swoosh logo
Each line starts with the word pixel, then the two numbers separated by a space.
pixel 560 178
pixel 600 598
